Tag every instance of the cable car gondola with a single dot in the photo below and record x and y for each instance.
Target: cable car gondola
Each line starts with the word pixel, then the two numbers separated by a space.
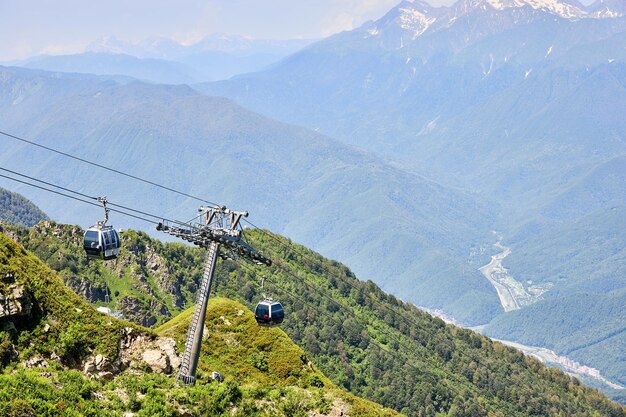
pixel 269 313
pixel 102 241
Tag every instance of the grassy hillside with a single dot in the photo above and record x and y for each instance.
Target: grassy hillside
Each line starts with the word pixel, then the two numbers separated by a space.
pixel 351 330
pixel 267 362
pixel 60 321
pixel 266 374
pixel 15 209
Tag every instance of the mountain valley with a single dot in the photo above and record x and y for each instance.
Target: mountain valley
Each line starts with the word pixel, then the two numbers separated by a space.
pixel 469 159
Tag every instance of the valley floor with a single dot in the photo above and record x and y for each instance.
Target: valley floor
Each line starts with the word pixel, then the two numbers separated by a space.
pixel 512 294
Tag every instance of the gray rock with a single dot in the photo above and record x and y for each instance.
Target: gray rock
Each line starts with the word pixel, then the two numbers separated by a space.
pixel 16 301
pixel 157 360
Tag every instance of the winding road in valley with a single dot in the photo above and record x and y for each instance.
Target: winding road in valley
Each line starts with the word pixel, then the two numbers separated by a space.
pixel 498 276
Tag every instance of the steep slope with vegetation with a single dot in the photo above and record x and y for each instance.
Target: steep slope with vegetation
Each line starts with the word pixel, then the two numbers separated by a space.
pixel 596 326
pixel 267 363
pixel 583 315
pixel 367 341
pixel 15 209
pixel 48 332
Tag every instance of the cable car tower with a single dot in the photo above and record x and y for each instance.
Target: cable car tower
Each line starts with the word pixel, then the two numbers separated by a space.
pixel 221 234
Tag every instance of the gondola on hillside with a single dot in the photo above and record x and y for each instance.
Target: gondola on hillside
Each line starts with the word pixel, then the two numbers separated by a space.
pixel 269 312
pixel 102 241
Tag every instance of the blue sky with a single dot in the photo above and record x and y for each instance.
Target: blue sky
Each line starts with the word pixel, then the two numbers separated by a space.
pixel 29 27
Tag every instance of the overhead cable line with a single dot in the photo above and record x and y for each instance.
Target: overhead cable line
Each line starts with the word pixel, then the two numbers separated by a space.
pixel 76 198
pixel 108 168
pixel 87 199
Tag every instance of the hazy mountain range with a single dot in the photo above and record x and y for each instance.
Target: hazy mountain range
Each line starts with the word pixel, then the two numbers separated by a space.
pixel 163 60
pixel 349 203
pixel 521 102
pixel 454 128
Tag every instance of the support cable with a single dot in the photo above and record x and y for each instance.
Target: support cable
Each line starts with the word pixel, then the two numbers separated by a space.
pixel 150 221
pixel 95 199
pixel 108 168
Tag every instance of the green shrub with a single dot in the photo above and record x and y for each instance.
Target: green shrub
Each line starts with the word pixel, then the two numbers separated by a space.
pixel 316 381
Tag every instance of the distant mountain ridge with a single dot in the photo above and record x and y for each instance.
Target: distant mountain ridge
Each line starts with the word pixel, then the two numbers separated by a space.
pixel 169 49
pixel 165 61
pixel 414 18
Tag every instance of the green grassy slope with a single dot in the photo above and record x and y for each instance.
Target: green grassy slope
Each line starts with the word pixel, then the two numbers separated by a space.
pixel 365 340
pixel 61 322
pixel 264 360
pixel 266 374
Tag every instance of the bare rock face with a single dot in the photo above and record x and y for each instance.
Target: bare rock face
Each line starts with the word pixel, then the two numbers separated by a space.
pixel 157 360
pixel 36 362
pixel 164 276
pixel 158 353
pixel 142 312
pixel 136 351
pixel 101 367
pixel 15 301
pixel 85 289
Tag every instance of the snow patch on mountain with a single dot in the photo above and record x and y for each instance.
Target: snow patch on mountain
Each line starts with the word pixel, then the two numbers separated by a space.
pixel 557 7
pixel 415 21
pixel 564 10
pixel 608 9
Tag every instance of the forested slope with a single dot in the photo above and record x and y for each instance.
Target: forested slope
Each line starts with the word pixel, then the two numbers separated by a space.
pixel 354 332
pixel 15 209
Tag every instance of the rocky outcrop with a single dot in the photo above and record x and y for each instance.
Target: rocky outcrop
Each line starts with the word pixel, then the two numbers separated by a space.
pixel 101 367
pixel 159 353
pixel 136 351
pixel 143 312
pixel 85 289
pixel 163 276
pixel 36 362
pixel 15 301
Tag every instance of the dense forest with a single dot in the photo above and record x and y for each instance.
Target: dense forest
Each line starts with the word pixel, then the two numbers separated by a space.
pixel 353 331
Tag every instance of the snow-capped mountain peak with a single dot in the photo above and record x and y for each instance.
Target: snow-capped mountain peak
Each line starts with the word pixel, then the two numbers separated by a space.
pixel 563 8
pixel 413 19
